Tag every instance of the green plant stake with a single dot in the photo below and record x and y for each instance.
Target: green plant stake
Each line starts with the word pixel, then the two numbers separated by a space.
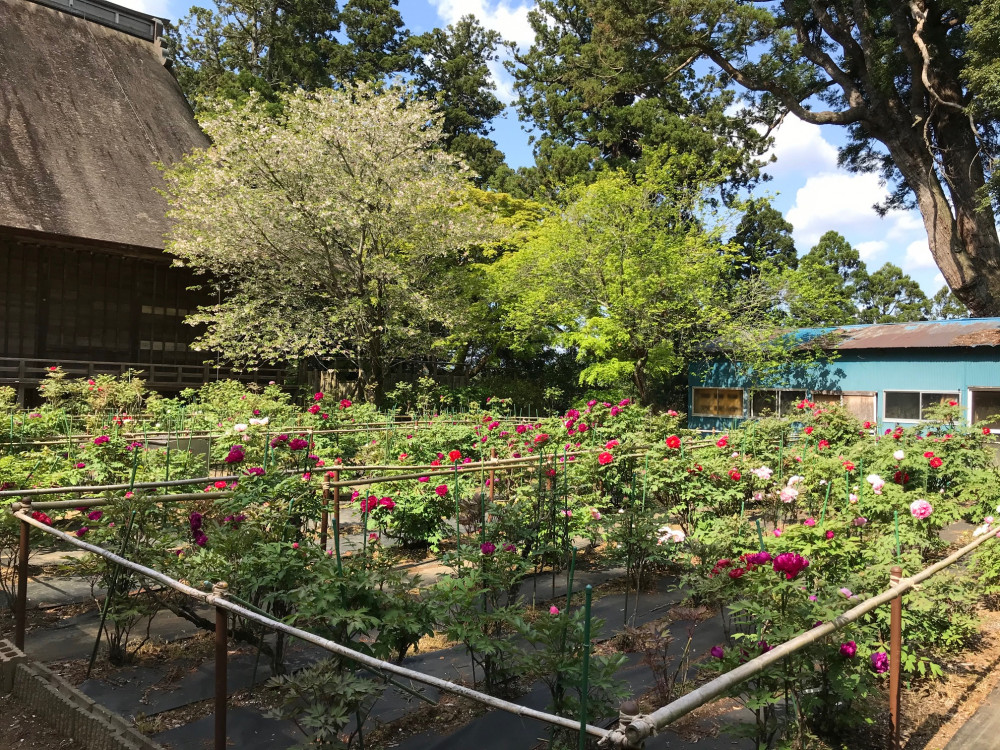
pixel 847 489
pixel 760 534
pixel 168 455
pixel 645 479
pixel 135 467
pixel 585 687
pixel 458 513
pixel 482 503
pixel 899 553
pixel 112 585
pixel 781 459
pixel 336 545
pixel 822 517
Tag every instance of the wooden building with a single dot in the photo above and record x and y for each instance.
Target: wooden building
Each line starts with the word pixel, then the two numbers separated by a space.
pixel 88 105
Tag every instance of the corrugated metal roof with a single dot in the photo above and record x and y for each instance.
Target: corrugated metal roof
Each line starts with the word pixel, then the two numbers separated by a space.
pixel 931 334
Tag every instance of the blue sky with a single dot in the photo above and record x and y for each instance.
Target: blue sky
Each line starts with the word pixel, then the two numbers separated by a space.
pixel 807 186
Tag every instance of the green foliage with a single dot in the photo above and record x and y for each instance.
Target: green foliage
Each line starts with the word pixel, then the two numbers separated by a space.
pixel 452 67
pixel 622 275
pixel 875 73
pixel 355 278
pixel 600 106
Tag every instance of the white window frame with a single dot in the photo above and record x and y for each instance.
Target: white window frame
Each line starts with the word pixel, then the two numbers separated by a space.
pixel 717 388
pixel 885 401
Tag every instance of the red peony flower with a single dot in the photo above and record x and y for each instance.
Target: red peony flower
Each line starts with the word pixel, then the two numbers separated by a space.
pixel 735 475
pixel 605 458
pixel 673 442
pixel 935 462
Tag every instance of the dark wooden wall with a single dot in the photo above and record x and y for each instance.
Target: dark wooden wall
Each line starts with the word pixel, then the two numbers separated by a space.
pixel 80 301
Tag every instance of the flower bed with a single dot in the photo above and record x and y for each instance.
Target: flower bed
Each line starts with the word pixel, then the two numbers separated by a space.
pixel 777 526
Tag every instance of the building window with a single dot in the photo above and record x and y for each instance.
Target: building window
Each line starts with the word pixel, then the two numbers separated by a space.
pixel 859 403
pixel 717 402
pixel 911 406
pixel 776 402
pixel 986 407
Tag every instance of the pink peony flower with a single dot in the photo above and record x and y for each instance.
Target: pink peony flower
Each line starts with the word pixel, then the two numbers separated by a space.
pixel 921 509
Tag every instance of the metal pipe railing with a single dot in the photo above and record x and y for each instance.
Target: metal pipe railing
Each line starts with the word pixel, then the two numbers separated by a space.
pixel 641 727
pixel 218 600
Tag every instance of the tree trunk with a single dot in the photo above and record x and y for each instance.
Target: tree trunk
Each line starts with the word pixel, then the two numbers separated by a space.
pixel 964 242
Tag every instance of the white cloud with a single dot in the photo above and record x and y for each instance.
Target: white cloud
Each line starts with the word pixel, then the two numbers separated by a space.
pixel 838 201
pixel 918 255
pixel 158 8
pixel 938 281
pixel 868 250
pixel 510 19
pixel 905 224
pixel 799 147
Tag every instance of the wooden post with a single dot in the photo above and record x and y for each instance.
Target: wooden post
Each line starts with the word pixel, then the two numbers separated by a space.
pixel 895 657
pixel 221 665
pixel 21 602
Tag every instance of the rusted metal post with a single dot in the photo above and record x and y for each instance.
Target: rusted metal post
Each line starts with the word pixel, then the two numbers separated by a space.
pixel 324 521
pixel 895 657
pixel 221 665
pixel 21 602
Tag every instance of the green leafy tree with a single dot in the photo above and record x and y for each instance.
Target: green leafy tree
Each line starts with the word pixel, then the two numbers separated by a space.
pixel 377 42
pixel 892 73
pixel 254 45
pixel 452 67
pixel 622 274
pixel 764 241
pixel 945 306
pixel 596 104
pixel 269 46
pixel 824 290
pixel 891 296
pixel 325 226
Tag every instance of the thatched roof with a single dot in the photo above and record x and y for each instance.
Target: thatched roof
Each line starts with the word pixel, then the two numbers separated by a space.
pixel 85 111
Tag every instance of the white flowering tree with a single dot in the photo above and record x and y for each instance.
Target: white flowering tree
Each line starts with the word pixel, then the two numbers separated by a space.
pixel 331 227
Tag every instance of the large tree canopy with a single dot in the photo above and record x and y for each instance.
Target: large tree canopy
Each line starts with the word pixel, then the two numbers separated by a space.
pixel 625 275
pixel 893 73
pixel 597 105
pixel 331 227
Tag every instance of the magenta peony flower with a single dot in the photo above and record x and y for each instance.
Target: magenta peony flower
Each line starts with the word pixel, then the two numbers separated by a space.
pixel 717 652
pixel 790 563
pixel 487 548
pixel 849 649
pixel 880 662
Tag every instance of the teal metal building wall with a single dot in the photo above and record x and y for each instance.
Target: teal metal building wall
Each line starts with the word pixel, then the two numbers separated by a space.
pixel 939 369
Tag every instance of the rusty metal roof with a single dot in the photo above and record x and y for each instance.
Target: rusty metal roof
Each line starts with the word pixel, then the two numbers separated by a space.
pixel 931 334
